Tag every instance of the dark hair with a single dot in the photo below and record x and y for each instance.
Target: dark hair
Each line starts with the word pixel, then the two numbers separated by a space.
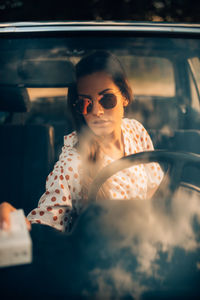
pixel 96 62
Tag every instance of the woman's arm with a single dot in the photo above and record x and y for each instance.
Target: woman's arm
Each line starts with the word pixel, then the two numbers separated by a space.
pixel 62 197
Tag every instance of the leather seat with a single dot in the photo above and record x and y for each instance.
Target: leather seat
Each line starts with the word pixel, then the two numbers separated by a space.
pixel 26 154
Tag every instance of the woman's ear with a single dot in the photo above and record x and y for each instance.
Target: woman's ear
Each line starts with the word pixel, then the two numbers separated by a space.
pixel 125 102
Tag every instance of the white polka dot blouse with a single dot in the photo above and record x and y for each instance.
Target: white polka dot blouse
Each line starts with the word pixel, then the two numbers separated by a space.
pixel 62 200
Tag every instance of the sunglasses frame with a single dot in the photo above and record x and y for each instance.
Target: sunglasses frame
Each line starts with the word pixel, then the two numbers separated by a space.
pixel 92 101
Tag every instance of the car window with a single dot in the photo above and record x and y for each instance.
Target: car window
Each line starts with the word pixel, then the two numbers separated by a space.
pixel 37 69
pixel 42 93
pixel 150 76
pixel 194 64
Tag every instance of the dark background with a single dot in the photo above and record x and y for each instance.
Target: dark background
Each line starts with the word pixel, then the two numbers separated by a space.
pixel 118 10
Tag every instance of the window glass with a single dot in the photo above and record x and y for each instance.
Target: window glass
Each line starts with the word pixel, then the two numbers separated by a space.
pixel 195 68
pixel 152 76
pixel 194 64
pixel 38 93
pixel 194 96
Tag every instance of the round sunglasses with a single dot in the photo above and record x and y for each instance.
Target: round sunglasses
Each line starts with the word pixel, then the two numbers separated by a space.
pixel 84 105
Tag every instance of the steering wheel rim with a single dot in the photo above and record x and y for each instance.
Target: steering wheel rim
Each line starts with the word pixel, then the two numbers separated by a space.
pixel 175 160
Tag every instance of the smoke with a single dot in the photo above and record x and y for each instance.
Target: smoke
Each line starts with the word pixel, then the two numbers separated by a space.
pixel 136 237
pixel 132 243
pixel 120 279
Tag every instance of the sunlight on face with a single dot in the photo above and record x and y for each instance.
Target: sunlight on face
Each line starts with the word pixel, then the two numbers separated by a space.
pixel 102 121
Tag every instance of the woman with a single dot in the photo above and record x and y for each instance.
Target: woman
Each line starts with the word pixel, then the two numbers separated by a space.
pixel 102 135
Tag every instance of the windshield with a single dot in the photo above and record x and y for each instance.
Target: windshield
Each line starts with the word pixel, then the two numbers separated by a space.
pixel 37 126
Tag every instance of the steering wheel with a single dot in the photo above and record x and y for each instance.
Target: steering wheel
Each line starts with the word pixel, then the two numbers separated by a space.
pixel 176 162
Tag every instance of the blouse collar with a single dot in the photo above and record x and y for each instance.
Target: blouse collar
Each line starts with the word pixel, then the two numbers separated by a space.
pixel 71 139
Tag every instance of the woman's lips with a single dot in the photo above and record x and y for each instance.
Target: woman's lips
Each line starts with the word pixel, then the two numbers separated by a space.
pixel 101 122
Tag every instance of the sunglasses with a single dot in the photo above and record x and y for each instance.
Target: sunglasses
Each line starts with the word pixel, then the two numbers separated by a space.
pixel 85 105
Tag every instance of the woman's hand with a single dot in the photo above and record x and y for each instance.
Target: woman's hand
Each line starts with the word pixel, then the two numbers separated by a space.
pixel 5 210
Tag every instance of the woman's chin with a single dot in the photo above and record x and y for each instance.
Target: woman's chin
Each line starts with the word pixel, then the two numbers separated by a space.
pixel 102 132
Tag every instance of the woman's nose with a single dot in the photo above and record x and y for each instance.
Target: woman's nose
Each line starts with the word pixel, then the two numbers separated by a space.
pixel 97 108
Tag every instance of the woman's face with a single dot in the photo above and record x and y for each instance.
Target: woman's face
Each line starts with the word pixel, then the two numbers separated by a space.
pixel 100 120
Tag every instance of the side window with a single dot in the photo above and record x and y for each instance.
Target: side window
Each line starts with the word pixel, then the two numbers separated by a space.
pixel 152 79
pixel 194 67
pixel 151 76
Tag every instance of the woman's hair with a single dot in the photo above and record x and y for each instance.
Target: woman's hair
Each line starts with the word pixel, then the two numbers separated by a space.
pixel 98 61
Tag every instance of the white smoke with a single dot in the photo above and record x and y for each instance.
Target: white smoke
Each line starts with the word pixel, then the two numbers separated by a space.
pixel 148 231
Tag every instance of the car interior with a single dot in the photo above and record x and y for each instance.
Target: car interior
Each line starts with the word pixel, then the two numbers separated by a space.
pixel 34 77
pixel 36 72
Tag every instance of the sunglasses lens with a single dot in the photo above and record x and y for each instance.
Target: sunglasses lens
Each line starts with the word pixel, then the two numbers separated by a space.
pixel 84 106
pixel 108 101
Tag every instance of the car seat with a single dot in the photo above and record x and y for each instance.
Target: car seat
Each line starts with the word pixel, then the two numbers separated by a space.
pixel 26 152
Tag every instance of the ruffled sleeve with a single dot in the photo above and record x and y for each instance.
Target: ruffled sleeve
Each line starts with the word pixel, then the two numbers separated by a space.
pixel 62 198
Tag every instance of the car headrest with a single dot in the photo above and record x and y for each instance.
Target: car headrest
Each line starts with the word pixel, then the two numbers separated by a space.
pixel 14 99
